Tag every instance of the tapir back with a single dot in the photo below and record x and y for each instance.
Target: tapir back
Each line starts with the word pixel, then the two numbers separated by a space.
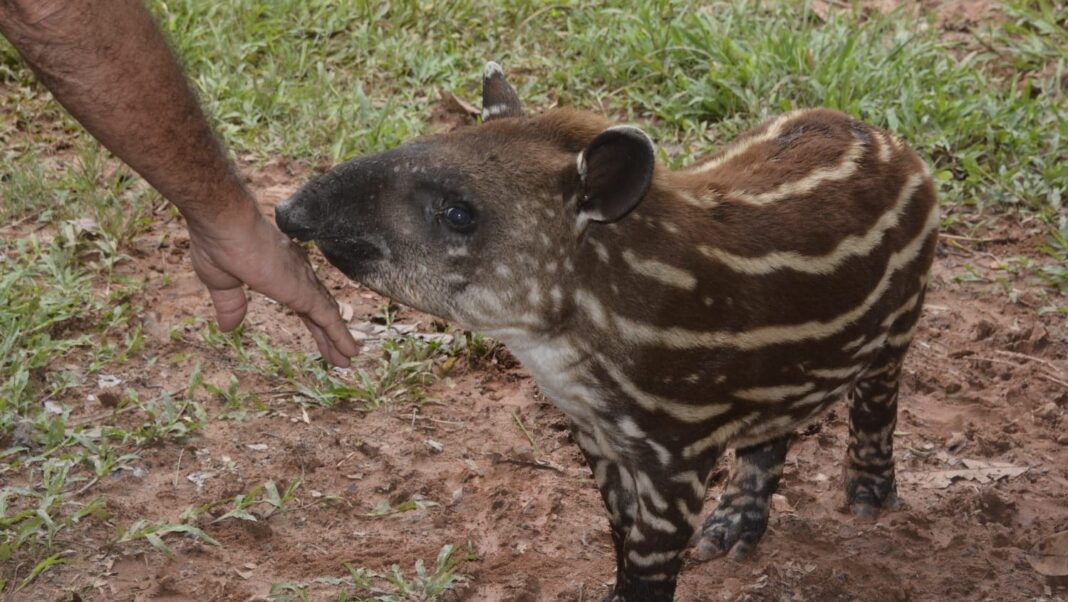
pixel 760 282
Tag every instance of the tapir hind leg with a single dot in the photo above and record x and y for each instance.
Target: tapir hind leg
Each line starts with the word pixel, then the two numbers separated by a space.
pixel 740 519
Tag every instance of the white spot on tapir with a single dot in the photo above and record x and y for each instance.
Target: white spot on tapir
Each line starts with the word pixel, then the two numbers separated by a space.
pixel 534 295
pixel 630 428
pixel 601 250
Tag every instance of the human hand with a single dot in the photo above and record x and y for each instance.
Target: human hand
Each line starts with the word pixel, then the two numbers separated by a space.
pixel 245 249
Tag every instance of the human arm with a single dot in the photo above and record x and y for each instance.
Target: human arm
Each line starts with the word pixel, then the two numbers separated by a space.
pixel 107 62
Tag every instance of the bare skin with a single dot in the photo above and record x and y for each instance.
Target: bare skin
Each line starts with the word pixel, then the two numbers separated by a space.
pixel 108 64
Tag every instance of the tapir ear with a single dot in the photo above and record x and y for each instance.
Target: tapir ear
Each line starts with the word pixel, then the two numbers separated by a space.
pixel 498 97
pixel 616 170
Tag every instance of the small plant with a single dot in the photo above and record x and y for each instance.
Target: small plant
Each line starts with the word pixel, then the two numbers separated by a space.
pixel 168 419
pixel 233 397
pixel 270 498
pixel 363 585
pixel 29 527
pixel 383 508
pixel 428 585
pixel 153 533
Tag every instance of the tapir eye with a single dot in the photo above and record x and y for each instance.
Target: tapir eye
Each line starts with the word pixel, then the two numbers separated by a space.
pixel 459 217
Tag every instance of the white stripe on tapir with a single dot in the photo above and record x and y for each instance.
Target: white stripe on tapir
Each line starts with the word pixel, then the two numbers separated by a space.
pixel 655 403
pixel 773 132
pixel 773 394
pixel 696 201
pixel 676 337
pixel 719 436
pixel 884 147
pixel 667 274
pixel 850 246
pixel 904 309
pixel 844 170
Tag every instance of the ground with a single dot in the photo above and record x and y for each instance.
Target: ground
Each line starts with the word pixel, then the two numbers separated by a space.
pixel 176 463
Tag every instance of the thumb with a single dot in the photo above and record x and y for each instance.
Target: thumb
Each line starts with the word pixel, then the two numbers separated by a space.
pixel 230 305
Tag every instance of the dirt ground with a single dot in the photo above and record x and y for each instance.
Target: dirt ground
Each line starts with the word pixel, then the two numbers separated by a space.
pixel 985 383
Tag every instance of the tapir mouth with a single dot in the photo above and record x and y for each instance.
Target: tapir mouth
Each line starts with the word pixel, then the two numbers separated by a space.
pixel 353 256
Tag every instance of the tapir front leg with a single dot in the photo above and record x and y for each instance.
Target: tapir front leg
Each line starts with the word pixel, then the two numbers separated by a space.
pixel 669 501
pixel 617 499
pixel 653 509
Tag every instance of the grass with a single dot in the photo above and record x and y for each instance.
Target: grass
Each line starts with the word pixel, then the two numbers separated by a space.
pixel 317 82
pixel 361 585
pixel 336 82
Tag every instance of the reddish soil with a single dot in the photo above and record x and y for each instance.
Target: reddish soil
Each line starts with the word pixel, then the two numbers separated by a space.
pixel 985 381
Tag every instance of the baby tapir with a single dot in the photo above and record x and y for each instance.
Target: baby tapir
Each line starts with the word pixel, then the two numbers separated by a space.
pixel 670 315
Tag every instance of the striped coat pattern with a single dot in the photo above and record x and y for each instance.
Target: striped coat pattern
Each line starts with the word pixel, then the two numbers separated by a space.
pixel 670 314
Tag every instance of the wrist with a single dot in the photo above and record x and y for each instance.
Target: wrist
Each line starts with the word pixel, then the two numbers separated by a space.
pixel 228 214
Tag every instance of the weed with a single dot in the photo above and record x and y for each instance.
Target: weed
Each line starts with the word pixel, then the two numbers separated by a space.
pixel 383 508
pixel 29 526
pixel 363 585
pixel 153 533
pixel 270 498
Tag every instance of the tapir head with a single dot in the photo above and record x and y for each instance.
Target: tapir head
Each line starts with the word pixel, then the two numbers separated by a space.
pixel 483 225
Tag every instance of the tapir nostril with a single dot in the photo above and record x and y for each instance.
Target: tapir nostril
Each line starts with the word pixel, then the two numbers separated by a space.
pixel 288 216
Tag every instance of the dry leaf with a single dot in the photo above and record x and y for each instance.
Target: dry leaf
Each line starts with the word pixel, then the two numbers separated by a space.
pixel 453 104
pixel 106 381
pixel 83 225
pixel 979 471
pixel 821 8
pixel 780 504
pixel 345 309
pixel 1050 558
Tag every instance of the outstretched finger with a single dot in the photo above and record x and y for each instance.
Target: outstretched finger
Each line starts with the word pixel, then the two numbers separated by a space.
pixel 326 348
pixel 325 314
pixel 230 306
